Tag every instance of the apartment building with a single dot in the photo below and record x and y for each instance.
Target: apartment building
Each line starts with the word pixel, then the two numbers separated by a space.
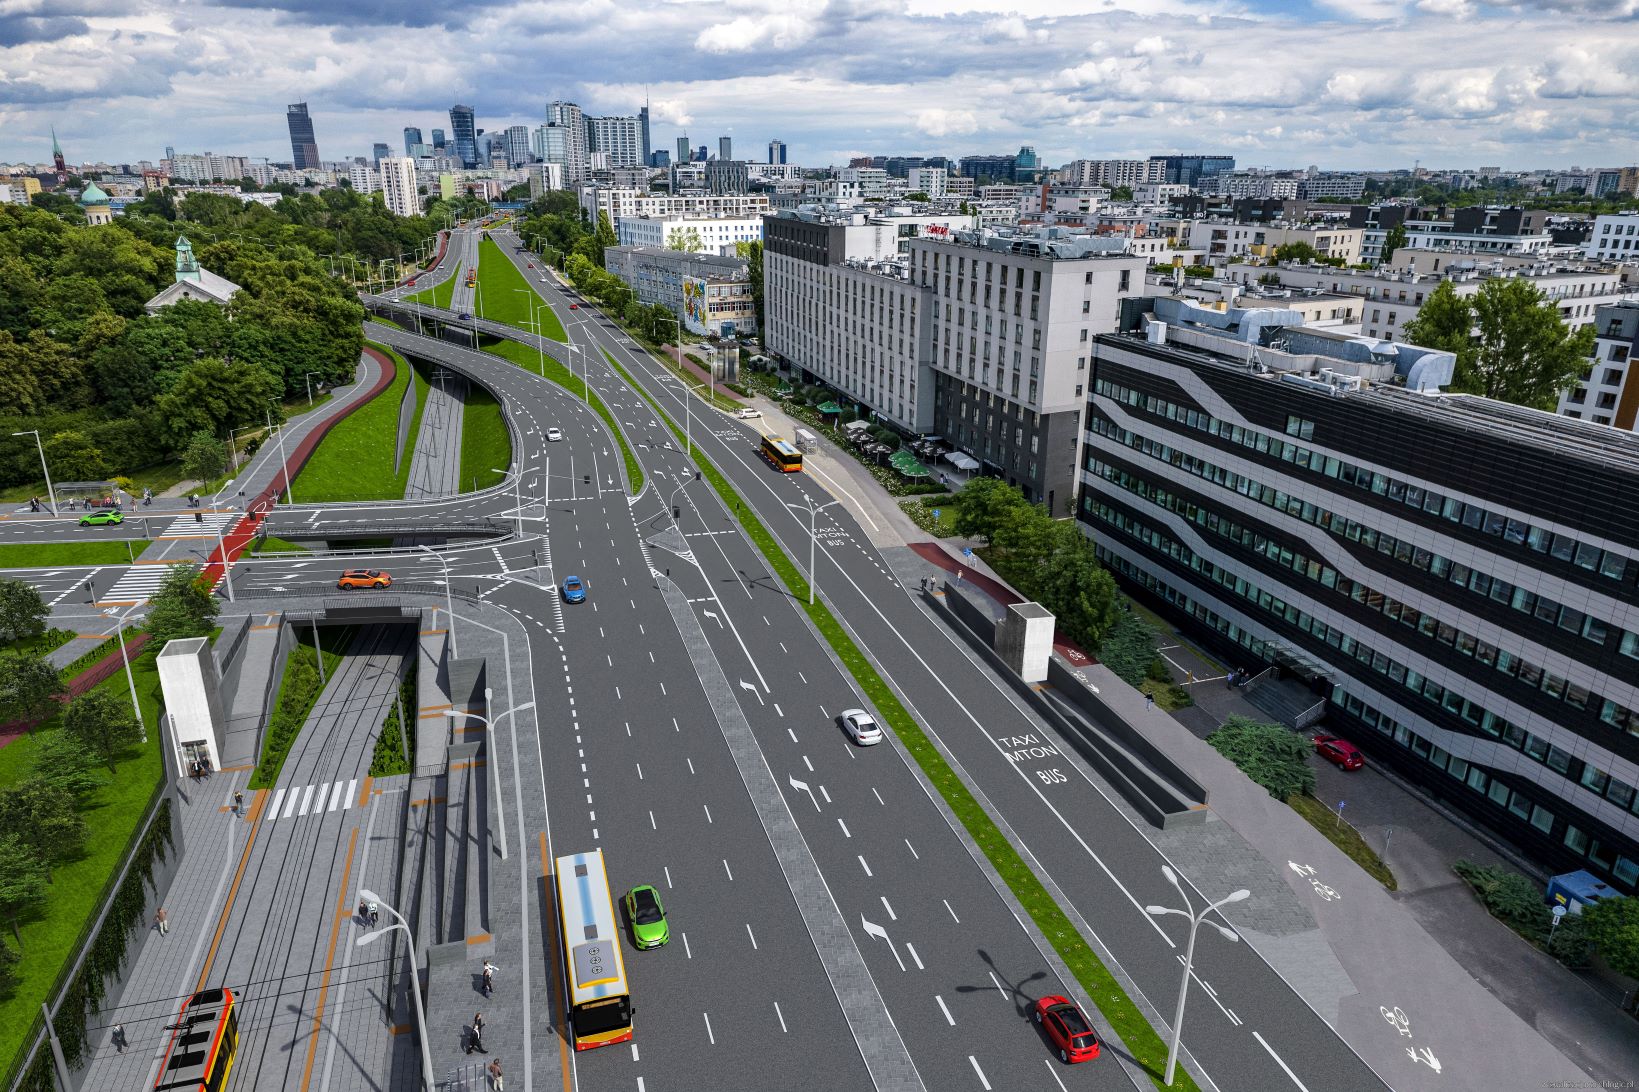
pixel 1457 579
pixel 1615 237
pixel 1470 230
pixel 1604 395
pixel 716 234
pixel 398 186
pixel 1114 172
pixel 621 202
pixel 708 294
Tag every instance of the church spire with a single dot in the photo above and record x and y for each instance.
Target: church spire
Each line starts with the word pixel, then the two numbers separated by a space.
pixel 57 158
pixel 187 266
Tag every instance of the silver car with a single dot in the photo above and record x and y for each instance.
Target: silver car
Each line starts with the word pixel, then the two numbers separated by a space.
pixel 861 727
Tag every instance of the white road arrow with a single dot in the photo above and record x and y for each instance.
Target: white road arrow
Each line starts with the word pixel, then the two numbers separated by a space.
pixel 713 616
pixel 881 934
pixel 752 687
pixel 802 786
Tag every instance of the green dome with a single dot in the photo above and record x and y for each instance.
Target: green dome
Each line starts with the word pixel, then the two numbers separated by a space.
pixel 93 195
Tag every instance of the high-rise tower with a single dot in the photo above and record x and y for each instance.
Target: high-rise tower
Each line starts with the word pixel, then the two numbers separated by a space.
pixel 464 134
pixel 304 150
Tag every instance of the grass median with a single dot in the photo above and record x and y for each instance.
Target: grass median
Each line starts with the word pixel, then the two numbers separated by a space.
pixel 354 461
pixel 485 443
pixel 51 555
pixel 509 298
pixel 436 296
pixel 299 690
pixel 1147 1047
pixel 530 359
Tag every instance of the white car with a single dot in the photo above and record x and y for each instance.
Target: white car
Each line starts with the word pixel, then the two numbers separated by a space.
pixel 861 727
pixel 554 434
pixel 747 413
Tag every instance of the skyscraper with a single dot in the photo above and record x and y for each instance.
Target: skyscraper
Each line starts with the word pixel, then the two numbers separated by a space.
pixel 568 117
pixel 381 151
pixel 683 155
pixel 517 145
pixel 643 131
pixel 725 147
pixel 438 140
pixel 622 138
pixel 412 137
pixel 465 134
pixel 776 151
pixel 304 150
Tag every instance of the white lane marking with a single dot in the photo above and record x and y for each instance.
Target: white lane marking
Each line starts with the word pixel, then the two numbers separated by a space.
pixel 953 916
pixel 686 949
pixel 891 915
pixel 998 983
pixel 878 796
pixel 911 948
pixel 865 866
pixel 728 870
pixel 912 848
pixel 335 798
pixel 752 935
pixel 982 1082
pixel 1280 1061
pixel 713 1038
pixel 949 1019
pixel 807 763
pixel 651 822
pixel 634 1052
pixel 781 1015
pixel 792 734
pixel 639 766
pixel 278 798
pixel 667 869
pixel 844 827
pixel 1048 1062
pixel 708 812
pixel 308 796
pixel 825 794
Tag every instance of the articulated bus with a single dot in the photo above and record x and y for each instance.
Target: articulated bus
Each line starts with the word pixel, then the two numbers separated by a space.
pixel 600 1007
pixel 203 1043
pixel 781 455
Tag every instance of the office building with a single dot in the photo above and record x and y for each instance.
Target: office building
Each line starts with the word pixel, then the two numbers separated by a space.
pixel 439 144
pixel 1455 578
pixel 989 168
pixel 380 152
pixel 645 149
pixel 928 180
pixel 412 137
pixel 620 138
pixel 776 151
pixel 725 147
pixel 398 186
pixel 1027 168
pixel 464 134
pixel 1605 395
pixel 710 295
pixel 619 203
pixel 715 234
pixel 568 117
pixel 683 155
pixel 1615 238
pixel 727 176
pixel 517 146
pixel 1189 170
pixel 544 177
pixel 304 150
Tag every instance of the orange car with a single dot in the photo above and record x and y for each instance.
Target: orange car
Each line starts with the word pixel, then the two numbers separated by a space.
pixel 365 578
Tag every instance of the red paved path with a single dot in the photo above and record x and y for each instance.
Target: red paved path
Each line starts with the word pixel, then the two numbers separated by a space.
pixel 932 551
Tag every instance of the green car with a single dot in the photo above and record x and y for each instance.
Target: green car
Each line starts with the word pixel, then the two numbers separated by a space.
pixel 647 916
pixel 97 519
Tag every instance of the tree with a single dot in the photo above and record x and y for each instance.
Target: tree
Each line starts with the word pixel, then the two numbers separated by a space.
pixel 60 759
pixel 1270 754
pixel 1527 355
pixel 183 606
pixel 28 686
pixel 1078 590
pixel 1121 193
pixel 1296 252
pixel 22 882
pixel 917 196
pixel 104 724
pixel 1393 240
pixel 685 239
pixel 984 505
pixel 1445 322
pixel 75 457
pixel 211 396
pixel 752 252
pixel 1613 926
pixel 22 612
pixel 44 820
pixel 204 457
pixel 605 235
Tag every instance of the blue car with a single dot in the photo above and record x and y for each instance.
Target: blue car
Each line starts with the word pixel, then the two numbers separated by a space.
pixel 574 591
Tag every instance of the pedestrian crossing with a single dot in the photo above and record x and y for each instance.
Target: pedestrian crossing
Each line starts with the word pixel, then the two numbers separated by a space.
pixel 138 583
pixel 208 525
pixel 303 800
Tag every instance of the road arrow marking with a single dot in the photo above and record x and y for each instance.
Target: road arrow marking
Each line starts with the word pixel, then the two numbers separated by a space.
pixel 880 933
pixel 752 687
pixel 802 786
pixel 713 616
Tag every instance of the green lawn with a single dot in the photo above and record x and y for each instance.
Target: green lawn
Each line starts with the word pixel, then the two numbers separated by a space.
pixel 354 461
pixel 51 555
pixel 485 442
pixel 112 817
pixel 299 690
pixel 508 297
pixel 272 544
pixel 436 296
pixel 1344 836
pixel 1147 1047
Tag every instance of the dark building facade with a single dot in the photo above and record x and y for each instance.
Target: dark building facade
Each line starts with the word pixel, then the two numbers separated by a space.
pixel 464 135
pixel 1458 579
pixel 412 137
pixel 1189 170
pixel 304 150
pixel 997 168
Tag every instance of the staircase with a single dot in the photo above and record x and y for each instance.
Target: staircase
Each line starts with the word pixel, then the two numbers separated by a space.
pixel 1285 701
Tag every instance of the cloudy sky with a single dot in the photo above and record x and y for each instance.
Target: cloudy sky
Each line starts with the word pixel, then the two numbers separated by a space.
pixel 1338 83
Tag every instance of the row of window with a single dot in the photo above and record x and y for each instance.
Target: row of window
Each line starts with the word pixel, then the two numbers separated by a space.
pixel 1584 555
pixel 1515 667
pixel 1575 839
pixel 1497 590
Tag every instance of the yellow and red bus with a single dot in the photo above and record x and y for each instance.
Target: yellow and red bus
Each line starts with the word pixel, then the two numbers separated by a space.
pixel 203 1043
pixel 472 277
pixel 781 455
pixel 600 1005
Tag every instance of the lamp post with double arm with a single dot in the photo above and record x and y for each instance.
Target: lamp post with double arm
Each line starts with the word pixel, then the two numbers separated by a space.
pixel 366 895
pixel 1195 920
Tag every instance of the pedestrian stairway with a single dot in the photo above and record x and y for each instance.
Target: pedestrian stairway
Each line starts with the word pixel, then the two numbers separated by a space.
pixel 209 525
pixel 138 583
pixel 310 799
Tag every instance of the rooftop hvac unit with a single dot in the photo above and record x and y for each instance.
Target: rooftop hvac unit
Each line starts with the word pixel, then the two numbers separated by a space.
pixel 1157 332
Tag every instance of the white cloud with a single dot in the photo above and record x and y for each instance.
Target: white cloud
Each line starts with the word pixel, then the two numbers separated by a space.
pixel 1150 46
pixel 940 122
pixel 753 32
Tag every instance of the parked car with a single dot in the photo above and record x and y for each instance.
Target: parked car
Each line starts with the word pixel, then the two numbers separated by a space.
pixel 648 917
pixel 746 413
pixel 574 590
pixel 554 434
pixel 861 727
pixel 1067 1026
pixel 1339 752
pixel 364 578
pixel 97 519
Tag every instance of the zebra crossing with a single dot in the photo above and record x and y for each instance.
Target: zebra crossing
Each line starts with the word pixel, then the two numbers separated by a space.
pixel 303 800
pixel 138 583
pixel 208 525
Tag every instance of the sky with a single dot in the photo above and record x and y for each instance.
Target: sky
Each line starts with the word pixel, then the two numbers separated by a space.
pixel 1342 84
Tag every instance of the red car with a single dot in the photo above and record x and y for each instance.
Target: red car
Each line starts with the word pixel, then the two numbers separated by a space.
pixel 1068 1028
pixel 1339 752
pixel 574 307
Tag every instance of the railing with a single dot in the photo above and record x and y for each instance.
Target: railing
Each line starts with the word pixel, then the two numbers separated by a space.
pixel 362 598
pixel 35 1036
pixel 1310 715
pixel 498 528
pixel 1258 678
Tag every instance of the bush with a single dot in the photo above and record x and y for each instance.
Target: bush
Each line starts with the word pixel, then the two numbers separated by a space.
pixel 697 360
pixel 1613 925
pixel 738 389
pixel 1270 754
pixel 1513 899
pixel 1178 697
pixel 1158 671
pixel 1129 648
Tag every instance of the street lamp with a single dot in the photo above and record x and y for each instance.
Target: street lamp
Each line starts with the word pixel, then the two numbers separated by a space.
pixel 290 497
pixel 813 539
pixel 688 414
pixel 489 693
pixel 50 492
pixel 130 680
pixel 540 345
pixel 227 571
pixel 366 895
pixel 449 598
pixel 307 377
pixel 1189 952
pixel 233 444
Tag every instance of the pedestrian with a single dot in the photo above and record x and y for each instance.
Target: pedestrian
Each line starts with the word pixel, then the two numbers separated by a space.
pixel 199 517
pixel 118 1038
pixel 239 803
pixel 162 922
pixel 489 977
pixel 958 576
pixel 494 1068
pixel 1149 701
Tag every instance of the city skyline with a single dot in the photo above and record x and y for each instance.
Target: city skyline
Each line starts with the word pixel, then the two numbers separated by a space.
pixel 1443 82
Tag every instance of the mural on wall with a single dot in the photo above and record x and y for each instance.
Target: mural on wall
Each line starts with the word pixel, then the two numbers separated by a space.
pixel 694 305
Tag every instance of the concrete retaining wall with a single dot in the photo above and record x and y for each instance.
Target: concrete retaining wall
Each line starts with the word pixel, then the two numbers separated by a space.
pixel 406 417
